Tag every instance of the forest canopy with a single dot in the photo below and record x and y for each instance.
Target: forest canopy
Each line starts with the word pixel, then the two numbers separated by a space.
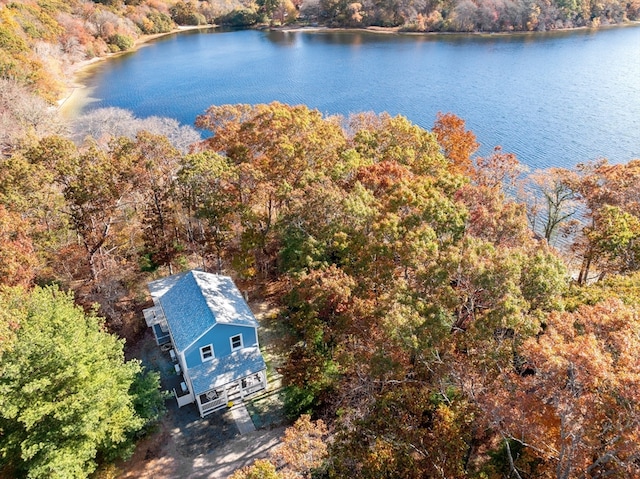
pixel 413 281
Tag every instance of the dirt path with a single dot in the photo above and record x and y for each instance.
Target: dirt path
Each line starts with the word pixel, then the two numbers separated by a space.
pixel 161 457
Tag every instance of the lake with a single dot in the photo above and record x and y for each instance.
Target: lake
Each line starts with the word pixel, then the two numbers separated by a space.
pixel 554 99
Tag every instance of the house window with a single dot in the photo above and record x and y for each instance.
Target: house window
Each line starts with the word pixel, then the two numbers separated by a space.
pixel 236 342
pixel 206 352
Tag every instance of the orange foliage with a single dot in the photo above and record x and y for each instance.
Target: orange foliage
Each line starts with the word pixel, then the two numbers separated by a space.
pixel 17 257
pixel 457 143
pixel 303 448
pixel 578 407
pixel 493 219
pixel 381 177
pixel 498 170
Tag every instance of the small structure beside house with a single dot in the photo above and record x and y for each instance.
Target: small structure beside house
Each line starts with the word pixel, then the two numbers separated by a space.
pixel 205 323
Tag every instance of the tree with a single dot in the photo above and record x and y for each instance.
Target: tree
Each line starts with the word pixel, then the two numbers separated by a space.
pixel 276 150
pixel 94 183
pixel 24 117
pixel 65 389
pixel 493 217
pixel 577 409
pixel 268 8
pixel 17 257
pixel 499 170
pixel 155 163
pixel 260 469
pixel 600 186
pixel 205 185
pixel 457 143
pixel 383 138
pixel 616 240
pixel 303 448
pixel 104 124
pixel 551 188
pixel 319 317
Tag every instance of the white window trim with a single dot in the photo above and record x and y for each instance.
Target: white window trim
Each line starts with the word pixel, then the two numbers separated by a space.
pixel 241 342
pixel 202 353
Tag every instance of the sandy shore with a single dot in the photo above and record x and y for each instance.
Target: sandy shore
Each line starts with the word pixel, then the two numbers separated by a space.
pixel 76 94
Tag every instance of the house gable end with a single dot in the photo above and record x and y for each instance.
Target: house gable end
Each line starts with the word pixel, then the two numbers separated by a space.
pixel 219 337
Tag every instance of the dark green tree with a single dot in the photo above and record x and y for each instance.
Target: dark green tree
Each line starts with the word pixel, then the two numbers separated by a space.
pixel 67 396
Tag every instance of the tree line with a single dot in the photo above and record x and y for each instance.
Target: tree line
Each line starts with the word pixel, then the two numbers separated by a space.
pixel 471 15
pixel 414 282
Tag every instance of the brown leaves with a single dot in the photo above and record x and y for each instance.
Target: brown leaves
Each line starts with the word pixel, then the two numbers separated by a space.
pixel 498 170
pixel 302 450
pixel 17 256
pixel 580 410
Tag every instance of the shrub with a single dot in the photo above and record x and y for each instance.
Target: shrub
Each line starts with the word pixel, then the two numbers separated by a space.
pixel 240 17
pixel 119 42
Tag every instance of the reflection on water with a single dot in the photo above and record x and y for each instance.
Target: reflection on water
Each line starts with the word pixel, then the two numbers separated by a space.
pixel 555 99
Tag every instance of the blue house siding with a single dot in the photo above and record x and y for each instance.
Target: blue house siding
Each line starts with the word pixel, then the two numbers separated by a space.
pixel 226 331
pixel 219 336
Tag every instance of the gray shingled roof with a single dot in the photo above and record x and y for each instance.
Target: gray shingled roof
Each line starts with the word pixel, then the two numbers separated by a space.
pixel 196 301
pixel 160 286
pixel 218 372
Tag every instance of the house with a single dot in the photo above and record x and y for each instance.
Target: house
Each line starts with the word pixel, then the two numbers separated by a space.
pixel 206 325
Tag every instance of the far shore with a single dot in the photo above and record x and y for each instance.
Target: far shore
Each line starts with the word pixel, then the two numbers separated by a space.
pixel 400 31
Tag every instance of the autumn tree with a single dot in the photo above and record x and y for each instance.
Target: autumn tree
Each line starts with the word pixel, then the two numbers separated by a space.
pixel 303 448
pixel 104 124
pixel 552 201
pixel 319 318
pixel 577 409
pixel 498 170
pixel 155 163
pixel 277 149
pixel 458 144
pixel 260 469
pixel 24 117
pixel 494 216
pixel 301 451
pixel 411 431
pixel 615 240
pixel 95 184
pixel 18 260
pixel 205 187
pixel 383 137
pixel 609 195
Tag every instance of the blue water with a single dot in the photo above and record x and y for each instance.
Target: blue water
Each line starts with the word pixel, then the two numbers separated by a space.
pixel 554 99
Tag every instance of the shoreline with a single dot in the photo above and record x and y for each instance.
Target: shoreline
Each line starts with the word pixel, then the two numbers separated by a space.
pixel 400 31
pixel 72 93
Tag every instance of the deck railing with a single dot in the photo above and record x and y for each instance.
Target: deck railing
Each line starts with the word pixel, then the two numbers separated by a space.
pixel 253 388
pixel 215 404
pixel 184 399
